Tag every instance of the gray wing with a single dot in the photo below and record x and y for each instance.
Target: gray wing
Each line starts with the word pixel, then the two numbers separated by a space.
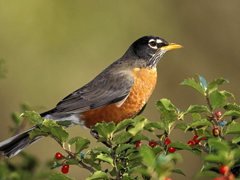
pixel 105 89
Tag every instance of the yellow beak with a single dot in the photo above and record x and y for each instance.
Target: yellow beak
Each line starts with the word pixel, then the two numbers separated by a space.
pixel 171 46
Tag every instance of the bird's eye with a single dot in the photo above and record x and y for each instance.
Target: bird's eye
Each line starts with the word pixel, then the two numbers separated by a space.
pixel 153 44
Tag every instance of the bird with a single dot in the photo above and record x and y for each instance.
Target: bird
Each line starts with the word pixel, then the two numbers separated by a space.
pixel 119 92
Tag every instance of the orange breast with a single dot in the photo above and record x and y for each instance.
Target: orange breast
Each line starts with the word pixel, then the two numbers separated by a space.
pixel 145 81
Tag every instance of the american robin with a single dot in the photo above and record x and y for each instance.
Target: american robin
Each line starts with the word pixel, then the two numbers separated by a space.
pixel 117 93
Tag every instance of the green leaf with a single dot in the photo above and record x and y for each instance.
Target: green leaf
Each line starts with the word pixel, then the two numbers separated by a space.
pixel 206 174
pixel 102 149
pixel 217 99
pixel 122 137
pixel 236 153
pixel 236 139
pixel 139 137
pixel 196 109
pixel 140 122
pixel 59 133
pixel 209 167
pixel 34 117
pixel 72 141
pixel 92 163
pixel 105 129
pixel 147 155
pixel 231 113
pixel 212 158
pixel 212 86
pixel 106 158
pixel 64 123
pixel 36 132
pixel 98 175
pixel 180 145
pixel 168 114
pixel 204 133
pixel 193 84
pixel 196 116
pixel 59 176
pixel 202 122
pixel 230 106
pixel 178 171
pixel 233 128
pixel 219 145
pixel 102 139
pixel 72 162
pixel 181 126
pixel 47 124
pixel 81 144
pixel 16 118
pixel 227 94
pixel 157 125
pixel 127 177
pixel 123 125
pixel 122 147
pixel 157 150
pixel 203 82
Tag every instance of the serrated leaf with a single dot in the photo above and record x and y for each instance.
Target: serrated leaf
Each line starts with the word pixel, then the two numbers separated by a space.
pixel 36 132
pixel 47 124
pixel 203 82
pixel 139 137
pixel 212 86
pixel 59 133
pixel 227 94
pixel 219 145
pixel 59 176
pixel 231 113
pixel 230 106
pixel 106 158
pixel 102 139
pixel 196 116
pixel 193 84
pixel 202 122
pixel 217 99
pixel 233 128
pixel 236 139
pixel 180 145
pixel 122 137
pixel 196 109
pixel 34 117
pixel 98 175
pixel 168 114
pixel 72 141
pixel 102 149
pixel 157 125
pixel 129 151
pixel 206 174
pixel 178 171
pixel 204 133
pixel 81 144
pixel 105 129
pixel 140 122
pixel 123 125
pixel 72 162
pixel 92 163
pixel 122 147
pixel 181 126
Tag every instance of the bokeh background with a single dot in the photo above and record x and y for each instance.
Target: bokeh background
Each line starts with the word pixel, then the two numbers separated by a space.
pixel 52 48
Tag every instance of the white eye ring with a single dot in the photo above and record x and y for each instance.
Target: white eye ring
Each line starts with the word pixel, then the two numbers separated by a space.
pixel 152 43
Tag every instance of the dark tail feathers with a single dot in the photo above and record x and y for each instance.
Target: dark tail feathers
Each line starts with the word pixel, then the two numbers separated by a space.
pixel 17 143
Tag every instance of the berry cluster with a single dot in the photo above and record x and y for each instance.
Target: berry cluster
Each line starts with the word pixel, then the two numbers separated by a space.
pixel 170 149
pixel 65 168
pixel 224 170
pixel 195 140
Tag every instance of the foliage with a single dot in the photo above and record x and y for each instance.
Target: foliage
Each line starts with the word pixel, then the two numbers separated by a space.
pixel 128 161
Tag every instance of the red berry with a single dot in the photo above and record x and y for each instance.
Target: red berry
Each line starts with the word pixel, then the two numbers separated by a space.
pixel 191 143
pixel 218 114
pixel 139 144
pixel 204 138
pixel 216 178
pixel 231 177
pixel 152 144
pixel 167 141
pixel 167 178
pixel 171 149
pixel 64 171
pixel 196 140
pixel 215 131
pixel 65 167
pixel 224 169
pixel 58 155
pixel 195 133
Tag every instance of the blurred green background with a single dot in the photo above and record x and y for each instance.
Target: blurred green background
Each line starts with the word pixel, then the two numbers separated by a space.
pixel 54 47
